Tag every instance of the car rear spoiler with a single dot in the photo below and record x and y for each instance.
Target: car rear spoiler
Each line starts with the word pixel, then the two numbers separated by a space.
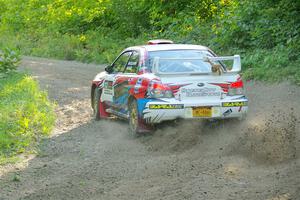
pixel 236 67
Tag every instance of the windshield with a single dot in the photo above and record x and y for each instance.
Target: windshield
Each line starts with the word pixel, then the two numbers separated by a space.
pixel 179 61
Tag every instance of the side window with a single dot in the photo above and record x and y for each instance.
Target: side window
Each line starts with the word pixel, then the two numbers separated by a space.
pixel 120 64
pixel 133 62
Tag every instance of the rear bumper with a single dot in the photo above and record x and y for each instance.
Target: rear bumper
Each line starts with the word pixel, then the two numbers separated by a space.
pixel 162 110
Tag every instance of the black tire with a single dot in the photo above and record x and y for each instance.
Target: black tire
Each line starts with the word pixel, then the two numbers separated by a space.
pixel 96 101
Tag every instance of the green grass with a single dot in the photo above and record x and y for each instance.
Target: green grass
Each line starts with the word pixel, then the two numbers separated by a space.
pixel 26 115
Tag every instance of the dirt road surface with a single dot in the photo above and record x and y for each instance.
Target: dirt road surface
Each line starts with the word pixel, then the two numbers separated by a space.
pixel 254 159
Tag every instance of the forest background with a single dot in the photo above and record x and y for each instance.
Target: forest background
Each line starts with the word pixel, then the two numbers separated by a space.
pixel 266 33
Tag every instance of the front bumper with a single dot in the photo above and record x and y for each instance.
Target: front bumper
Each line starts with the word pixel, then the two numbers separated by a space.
pixel 170 109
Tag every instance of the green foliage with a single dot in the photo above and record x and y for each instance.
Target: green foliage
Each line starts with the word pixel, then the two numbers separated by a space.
pixel 9 60
pixel 25 114
pixel 271 65
pixel 96 31
pixel 261 24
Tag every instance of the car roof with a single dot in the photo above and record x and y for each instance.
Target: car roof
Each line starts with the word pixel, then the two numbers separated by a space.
pixel 163 47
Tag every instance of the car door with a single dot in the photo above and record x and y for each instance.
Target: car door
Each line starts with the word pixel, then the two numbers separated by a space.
pixel 122 86
pixel 116 70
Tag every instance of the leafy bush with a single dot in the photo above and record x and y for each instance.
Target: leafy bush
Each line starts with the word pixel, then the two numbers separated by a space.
pixel 271 65
pixel 9 60
pixel 26 114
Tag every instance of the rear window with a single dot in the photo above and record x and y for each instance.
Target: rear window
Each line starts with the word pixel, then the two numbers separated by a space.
pixel 179 61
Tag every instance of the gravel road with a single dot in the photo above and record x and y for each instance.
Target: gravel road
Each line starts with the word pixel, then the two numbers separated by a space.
pixel 85 159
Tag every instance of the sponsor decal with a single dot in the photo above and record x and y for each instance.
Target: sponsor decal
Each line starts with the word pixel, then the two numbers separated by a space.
pixel 108 92
pixel 200 92
pixel 234 104
pixel 108 85
pixel 227 112
pixel 166 106
pixel 121 89
pixel 138 85
pixel 175 87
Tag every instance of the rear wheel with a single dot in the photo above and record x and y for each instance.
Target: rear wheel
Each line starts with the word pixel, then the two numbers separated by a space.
pixel 136 123
pixel 133 117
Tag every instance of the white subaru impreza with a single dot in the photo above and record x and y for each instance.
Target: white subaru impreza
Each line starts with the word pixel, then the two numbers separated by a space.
pixel 163 81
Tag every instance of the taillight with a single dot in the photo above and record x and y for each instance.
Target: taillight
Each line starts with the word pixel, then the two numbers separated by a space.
pixel 158 90
pixel 236 88
pixel 158 93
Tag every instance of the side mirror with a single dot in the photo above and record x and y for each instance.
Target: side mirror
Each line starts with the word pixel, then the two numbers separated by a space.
pixel 108 69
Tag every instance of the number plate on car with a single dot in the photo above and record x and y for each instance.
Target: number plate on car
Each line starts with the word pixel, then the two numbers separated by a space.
pixel 202 112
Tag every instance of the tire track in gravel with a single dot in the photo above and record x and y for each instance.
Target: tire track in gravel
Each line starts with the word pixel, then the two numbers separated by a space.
pixel 84 159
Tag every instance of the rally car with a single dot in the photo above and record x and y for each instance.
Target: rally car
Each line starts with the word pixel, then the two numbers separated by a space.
pixel 163 81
